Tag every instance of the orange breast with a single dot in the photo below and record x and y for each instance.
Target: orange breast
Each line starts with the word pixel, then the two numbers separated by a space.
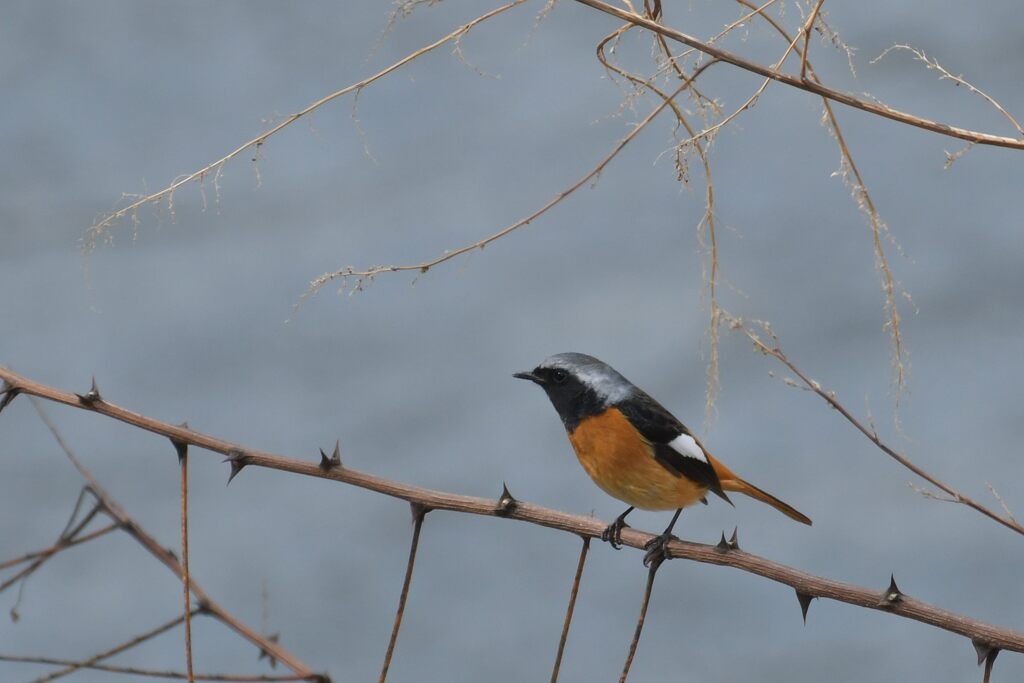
pixel 621 462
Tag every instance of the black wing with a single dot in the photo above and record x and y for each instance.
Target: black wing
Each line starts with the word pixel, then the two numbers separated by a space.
pixel 661 427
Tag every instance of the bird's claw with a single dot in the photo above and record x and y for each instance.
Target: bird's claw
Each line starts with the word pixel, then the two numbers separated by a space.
pixel 657 549
pixel 612 533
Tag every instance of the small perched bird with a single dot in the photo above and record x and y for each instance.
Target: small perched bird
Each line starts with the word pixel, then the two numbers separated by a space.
pixel 632 447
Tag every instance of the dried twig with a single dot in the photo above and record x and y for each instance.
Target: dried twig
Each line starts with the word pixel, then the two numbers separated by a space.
pixel 363 276
pixel 72 664
pixel 185 581
pixel 101 229
pixel 569 610
pixel 418 513
pixel 829 397
pixel 106 654
pixel 640 619
pixel 804 582
pixel 867 206
pixel 810 86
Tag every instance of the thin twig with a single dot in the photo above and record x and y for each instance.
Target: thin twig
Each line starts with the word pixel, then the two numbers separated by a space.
pixel 109 668
pixel 867 205
pixel 829 397
pixel 63 544
pixel 808 29
pixel 100 229
pixel 809 86
pixel 418 513
pixel 640 620
pixel 363 276
pixel 127 645
pixel 804 582
pixel 569 610
pixel 185 581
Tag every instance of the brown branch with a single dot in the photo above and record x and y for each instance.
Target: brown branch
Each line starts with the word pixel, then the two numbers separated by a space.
pixel 59 546
pixel 807 30
pixel 809 86
pixel 70 663
pixel 100 229
pixel 106 654
pixel 829 397
pixel 165 556
pixel 185 580
pixel 418 513
pixel 370 273
pixel 571 608
pixel 804 582
pixel 640 620
pixel 866 204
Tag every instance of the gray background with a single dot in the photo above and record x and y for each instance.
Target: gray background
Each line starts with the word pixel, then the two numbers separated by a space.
pixel 186 320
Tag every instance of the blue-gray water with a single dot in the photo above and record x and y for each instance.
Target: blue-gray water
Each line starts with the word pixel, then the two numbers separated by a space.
pixel 186 320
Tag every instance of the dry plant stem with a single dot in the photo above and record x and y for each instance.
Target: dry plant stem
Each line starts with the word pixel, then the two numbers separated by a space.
pixel 418 513
pixel 569 610
pixel 807 31
pixel 185 581
pixel 640 620
pixel 102 227
pixel 809 86
pixel 65 538
pixel 867 205
pixel 803 582
pixel 709 199
pixel 775 352
pixel 423 267
pixel 150 673
pixel 59 546
pixel 165 556
pixel 127 645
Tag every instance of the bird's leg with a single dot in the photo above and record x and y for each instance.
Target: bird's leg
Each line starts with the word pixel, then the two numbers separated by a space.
pixel 613 532
pixel 656 546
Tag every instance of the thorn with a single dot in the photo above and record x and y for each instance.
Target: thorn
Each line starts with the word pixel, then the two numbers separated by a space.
pixel 892 594
pixel 805 602
pixel 985 652
pixel 238 460
pixel 723 544
pixel 418 510
pixel 704 499
pixel 506 503
pixel 92 396
pixel 333 461
pixel 182 448
pixel 734 541
pixel 14 615
pixel 274 638
pixel 9 393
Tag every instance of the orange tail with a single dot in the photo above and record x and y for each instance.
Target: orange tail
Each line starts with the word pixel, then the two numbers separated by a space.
pixel 731 482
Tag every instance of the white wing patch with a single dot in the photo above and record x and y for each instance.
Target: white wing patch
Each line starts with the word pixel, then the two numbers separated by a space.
pixel 686 445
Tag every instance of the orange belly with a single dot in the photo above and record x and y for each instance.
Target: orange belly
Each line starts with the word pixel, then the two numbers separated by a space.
pixel 621 462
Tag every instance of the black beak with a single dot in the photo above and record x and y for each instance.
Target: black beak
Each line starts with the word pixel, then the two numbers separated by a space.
pixel 530 376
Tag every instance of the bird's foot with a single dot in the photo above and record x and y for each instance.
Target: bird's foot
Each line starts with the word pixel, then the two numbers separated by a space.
pixel 657 549
pixel 612 534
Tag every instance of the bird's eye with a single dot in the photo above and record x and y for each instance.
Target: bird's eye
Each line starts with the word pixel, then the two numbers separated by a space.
pixel 559 376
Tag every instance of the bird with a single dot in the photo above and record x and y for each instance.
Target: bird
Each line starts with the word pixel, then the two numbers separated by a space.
pixel 633 448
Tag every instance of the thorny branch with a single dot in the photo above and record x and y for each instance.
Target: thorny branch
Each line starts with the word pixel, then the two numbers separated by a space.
pixel 775 351
pixel 805 584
